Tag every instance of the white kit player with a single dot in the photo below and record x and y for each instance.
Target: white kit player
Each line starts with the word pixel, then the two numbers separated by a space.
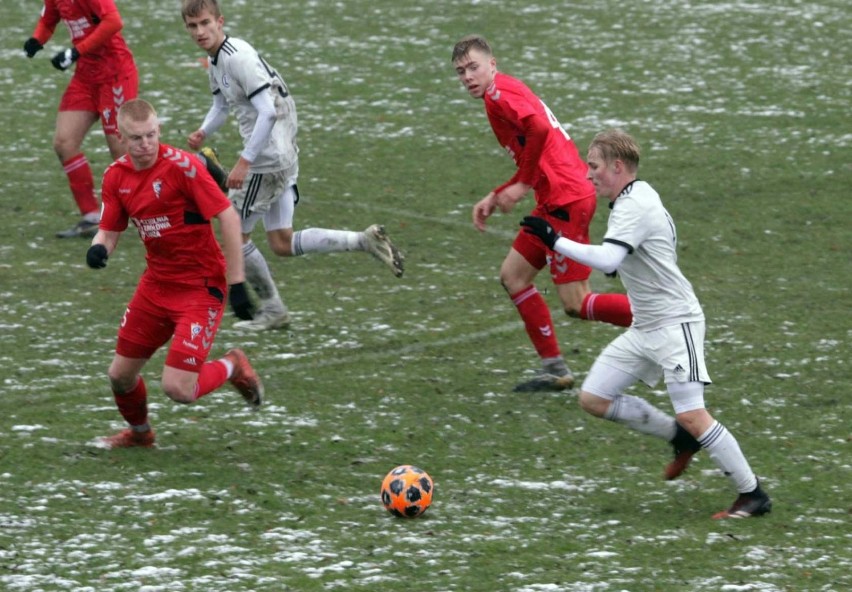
pixel 262 183
pixel 666 338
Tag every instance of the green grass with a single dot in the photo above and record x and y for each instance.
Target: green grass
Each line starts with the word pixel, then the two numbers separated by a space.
pixel 742 110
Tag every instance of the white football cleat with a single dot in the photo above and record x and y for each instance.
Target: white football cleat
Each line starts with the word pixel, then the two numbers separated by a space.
pixel 265 320
pixel 379 245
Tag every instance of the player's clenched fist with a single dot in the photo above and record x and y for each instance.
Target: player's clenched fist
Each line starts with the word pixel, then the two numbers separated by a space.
pixel 64 59
pixel 32 46
pixel 96 257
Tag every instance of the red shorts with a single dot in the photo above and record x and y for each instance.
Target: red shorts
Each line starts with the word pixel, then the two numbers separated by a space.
pixel 562 269
pixel 103 98
pixel 188 315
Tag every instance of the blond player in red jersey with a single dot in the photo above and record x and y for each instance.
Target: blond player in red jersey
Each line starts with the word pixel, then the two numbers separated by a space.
pixel 549 164
pixel 170 198
pixel 104 78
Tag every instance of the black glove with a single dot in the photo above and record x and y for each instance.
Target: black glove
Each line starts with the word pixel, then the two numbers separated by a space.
pixel 240 303
pixel 96 256
pixel 540 228
pixel 64 59
pixel 32 46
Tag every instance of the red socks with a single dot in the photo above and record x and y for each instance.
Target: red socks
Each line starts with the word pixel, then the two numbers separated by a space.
pixel 133 405
pixel 212 376
pixel 82 183
pixel 537 321
pixel 608 308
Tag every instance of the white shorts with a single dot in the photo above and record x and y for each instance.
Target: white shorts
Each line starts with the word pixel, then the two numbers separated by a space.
pixel 675 353
pixel 271 197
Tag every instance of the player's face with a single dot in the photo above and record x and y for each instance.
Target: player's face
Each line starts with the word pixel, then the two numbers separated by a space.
pixel 476 72
pixel 207 31
pixel 142 139
pixel 603 175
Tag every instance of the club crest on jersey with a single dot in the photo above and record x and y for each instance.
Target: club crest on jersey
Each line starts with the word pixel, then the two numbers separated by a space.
pixel 107 113
pixel 226 81
pixel 157 185
pixel 194 330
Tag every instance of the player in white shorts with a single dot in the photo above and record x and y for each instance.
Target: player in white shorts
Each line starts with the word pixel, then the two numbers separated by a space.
pixel 666 338
pixel 262 183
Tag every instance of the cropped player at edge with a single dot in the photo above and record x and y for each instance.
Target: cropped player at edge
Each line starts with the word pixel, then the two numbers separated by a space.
pixel 262 183
pixel 104 77
pixel 171 199
pixel 666 339
pixel 549 165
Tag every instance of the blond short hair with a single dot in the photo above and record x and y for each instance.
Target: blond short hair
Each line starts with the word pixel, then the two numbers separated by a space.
pixel 616 144
pixel 195 7
pixel 136 110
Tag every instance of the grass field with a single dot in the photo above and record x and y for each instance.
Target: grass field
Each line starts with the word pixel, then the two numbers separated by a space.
pixel 743 111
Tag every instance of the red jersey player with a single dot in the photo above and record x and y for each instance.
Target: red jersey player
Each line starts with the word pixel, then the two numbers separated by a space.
pixel 170 198
pixel 548 163
pixel 104 77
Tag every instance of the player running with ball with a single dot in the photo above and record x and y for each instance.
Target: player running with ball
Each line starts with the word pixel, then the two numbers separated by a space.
pixel 667 335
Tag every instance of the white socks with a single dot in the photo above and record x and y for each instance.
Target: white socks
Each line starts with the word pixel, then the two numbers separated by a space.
pixel 323 240
pixel 260 279
pixel 725 452
pixel 639 415
pixel 720 444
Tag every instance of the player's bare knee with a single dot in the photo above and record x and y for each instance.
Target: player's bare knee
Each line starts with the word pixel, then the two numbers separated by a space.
pixel 511 284
pixel 179 393
pixel 696 421
pixel 593 404
pixel 280 248
pixel 121 383
pixel 281 242
pixel 573 312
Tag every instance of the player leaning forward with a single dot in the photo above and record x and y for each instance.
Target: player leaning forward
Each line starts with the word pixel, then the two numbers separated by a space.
pixel 667 335
pixel 171 199
pixel 263 181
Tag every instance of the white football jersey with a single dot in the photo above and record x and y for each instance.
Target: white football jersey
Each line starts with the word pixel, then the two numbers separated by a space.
pixel 660 295
pixel 239 73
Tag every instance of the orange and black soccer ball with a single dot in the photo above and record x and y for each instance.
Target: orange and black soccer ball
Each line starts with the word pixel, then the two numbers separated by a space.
pixel 407 491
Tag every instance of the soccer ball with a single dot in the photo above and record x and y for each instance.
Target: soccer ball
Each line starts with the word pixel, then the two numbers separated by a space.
pixel 407 491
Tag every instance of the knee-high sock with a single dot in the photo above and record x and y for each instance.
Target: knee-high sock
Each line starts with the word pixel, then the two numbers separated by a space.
pixel 259 277
pixel 133 405
pixel 212 376
pixel 638 414
pixel 82 183
pixel 537 321
pixel 324 240
pixel 725 451
pixel 608 308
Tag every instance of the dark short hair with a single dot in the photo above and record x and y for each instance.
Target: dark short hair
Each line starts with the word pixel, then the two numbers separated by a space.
pixel 469 42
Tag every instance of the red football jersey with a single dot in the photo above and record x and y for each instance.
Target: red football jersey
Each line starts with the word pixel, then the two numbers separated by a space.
pixel 81 16
pixel 554 168
pixel 171 205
